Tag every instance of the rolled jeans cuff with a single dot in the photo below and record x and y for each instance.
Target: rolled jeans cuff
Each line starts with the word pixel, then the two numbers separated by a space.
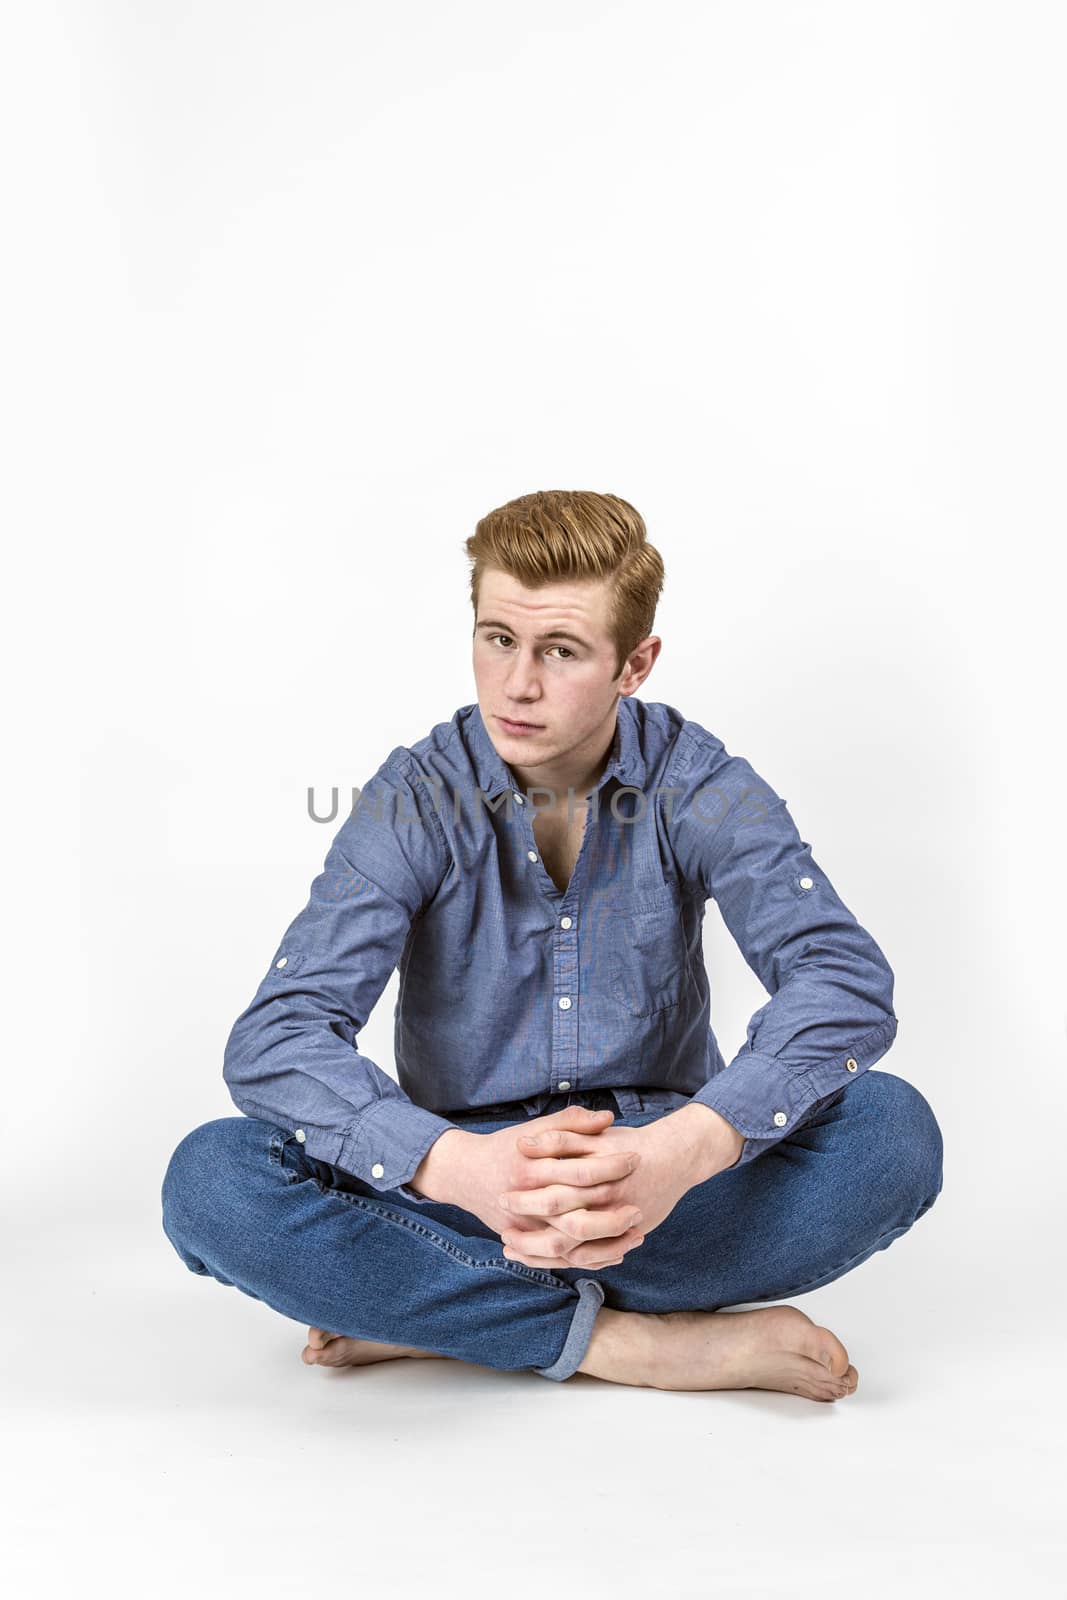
pixel 591 1298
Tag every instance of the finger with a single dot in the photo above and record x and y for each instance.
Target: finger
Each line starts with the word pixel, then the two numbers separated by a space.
pixel 559 1199
pixel 548 1164
pixel 572 1184
pixel 577 1117
pixel 602 1255
pixel 553 1242
pixel 572 1210
pixel 550 1263
pixel 574 1119
pixel 526 1248
pixel 561 1141
pixel 582 1223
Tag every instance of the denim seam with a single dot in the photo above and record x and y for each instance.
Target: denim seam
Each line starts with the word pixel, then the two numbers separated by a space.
pixel 379 1209
pixel 275 1151
pixel 858 1259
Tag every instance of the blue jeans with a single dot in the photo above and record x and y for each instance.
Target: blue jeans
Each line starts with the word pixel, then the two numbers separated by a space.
pixel 243 1204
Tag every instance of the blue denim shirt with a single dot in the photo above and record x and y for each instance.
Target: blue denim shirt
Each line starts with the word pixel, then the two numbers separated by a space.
pixel 510 989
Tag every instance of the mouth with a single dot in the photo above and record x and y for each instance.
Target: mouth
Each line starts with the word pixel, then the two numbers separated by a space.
pixel 519 727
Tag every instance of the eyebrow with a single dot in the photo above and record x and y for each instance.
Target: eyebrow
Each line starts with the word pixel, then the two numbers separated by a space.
pixel 557 633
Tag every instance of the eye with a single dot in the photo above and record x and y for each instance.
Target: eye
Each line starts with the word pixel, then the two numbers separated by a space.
pixel 569 654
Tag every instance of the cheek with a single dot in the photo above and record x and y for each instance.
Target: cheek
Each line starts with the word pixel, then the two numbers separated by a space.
pixel 579 701
pixel 483 667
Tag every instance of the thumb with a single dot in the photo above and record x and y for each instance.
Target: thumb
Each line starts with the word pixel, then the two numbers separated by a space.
pixel 578 1119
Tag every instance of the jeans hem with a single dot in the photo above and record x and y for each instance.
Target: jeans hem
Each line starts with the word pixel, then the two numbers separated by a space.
pixel 591 1298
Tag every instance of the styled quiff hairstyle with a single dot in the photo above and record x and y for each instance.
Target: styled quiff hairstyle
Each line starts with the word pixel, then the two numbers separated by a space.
pixel 559 534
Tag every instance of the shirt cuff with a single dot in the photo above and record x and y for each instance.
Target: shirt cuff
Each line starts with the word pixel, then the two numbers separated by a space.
pixel 765 1100
pixel 388 1143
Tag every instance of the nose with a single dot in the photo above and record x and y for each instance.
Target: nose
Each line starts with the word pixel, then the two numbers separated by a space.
pixel 522 683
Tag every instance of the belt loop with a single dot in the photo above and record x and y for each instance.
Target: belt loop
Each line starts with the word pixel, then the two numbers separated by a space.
pixel 629 1102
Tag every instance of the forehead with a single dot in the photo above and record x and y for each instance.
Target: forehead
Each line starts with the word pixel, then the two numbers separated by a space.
pixel 573 601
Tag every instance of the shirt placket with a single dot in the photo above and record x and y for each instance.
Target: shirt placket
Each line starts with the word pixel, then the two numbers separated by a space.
pixel 565 950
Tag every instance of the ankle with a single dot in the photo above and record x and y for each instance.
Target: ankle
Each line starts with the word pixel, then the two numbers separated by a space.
pixel 613 1339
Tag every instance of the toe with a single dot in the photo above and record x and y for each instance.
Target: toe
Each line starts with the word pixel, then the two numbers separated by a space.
pixel 838 1387
pixel 831 1353
pixel 815 1380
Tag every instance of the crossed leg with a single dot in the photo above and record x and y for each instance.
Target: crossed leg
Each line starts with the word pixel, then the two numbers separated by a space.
pixel 845 1184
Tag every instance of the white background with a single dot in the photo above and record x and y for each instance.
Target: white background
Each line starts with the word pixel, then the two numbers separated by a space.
pixel 293 294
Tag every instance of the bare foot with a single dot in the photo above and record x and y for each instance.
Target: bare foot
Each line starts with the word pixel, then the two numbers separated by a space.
pixel 776 1347
pixel 337 1350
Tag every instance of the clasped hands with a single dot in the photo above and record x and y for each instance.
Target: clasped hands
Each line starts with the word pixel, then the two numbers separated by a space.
pixel 577 1192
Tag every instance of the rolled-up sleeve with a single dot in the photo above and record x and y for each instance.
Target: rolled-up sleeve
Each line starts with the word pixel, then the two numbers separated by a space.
pixel 830 1015
pixel 292 1057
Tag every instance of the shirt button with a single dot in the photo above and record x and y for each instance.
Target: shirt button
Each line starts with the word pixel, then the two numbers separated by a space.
pixel 780 1119
pixel 532 854
pixel 377 1171
pixel 851 1065
pixel 564 922
pixel 565 1083
pixel 300 1135
pixel 805 883
pixel 520 800
pixel 564 1004
pixel 284 962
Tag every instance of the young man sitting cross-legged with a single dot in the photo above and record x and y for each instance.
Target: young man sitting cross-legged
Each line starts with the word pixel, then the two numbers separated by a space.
pixel 568 1176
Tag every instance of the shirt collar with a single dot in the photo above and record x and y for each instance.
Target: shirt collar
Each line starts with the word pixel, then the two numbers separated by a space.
pixel 625 762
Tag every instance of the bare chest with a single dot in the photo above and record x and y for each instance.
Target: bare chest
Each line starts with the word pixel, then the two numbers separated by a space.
pixel 559 840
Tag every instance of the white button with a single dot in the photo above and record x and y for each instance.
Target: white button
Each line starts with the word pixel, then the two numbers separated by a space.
pixel 851 1065
pixel 564 922
pixel 300 1135
pixel 283 962
pixel 532 854
pixel 565 1084
pixel 520 799
pixel 780 1119
pixel 377 1171
pixel 564 1004
pixel 805 883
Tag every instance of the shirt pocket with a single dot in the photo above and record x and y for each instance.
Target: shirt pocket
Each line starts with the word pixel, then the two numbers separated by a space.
pixel 650 957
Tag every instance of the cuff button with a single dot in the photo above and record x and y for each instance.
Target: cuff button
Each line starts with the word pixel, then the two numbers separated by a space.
pixel 300 1136
pixel 850 1065
pixel 780 1119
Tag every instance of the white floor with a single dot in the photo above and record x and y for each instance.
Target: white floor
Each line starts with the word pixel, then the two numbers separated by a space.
pixel 163 1437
